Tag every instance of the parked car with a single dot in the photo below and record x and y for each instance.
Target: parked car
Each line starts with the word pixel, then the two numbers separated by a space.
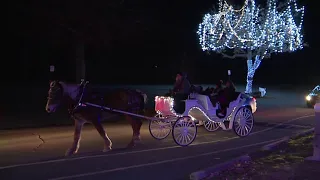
pixel 313 97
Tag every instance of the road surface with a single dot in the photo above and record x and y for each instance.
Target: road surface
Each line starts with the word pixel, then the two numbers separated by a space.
pixel 38 153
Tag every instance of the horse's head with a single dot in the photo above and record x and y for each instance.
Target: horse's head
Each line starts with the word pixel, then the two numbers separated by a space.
pixel 55 96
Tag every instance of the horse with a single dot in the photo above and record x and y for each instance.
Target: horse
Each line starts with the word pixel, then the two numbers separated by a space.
pixel 62 93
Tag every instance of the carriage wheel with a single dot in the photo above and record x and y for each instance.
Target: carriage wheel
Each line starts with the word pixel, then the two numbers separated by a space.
pixel 211 126
pixel 184 131
pixel 160 129
pixel 243 122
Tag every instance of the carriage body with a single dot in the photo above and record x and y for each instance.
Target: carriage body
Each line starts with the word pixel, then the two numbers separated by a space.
pixel 199 108
pixel 164 106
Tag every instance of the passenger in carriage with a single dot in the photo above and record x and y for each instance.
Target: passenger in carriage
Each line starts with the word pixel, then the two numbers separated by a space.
pixel 207 92
pixel 181 91
pixel 215 92
pixel 217 89
pixel 226 97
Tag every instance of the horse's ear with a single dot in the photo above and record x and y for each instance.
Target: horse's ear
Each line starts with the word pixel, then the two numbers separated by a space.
pixel 51 82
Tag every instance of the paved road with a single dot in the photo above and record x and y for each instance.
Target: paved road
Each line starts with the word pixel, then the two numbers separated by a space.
pixel 37 153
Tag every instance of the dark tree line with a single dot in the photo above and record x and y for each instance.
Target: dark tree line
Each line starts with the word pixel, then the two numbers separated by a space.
pixel 112 33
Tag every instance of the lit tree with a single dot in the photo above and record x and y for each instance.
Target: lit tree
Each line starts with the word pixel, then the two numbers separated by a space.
pixel 253 33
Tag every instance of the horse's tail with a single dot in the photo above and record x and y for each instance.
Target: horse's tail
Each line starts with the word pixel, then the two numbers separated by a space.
pixel 144 96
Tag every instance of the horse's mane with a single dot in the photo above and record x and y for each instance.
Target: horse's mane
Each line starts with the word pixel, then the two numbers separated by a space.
pixel 96 93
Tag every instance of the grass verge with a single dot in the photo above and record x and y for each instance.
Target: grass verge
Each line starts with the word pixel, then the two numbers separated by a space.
pixel 284 163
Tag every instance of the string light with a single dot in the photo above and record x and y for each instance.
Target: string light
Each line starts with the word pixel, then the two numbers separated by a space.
pixel 164 106
pixel 259 32
pixel 315 91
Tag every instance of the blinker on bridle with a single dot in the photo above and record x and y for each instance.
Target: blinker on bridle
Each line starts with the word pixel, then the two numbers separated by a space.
pixel 53 93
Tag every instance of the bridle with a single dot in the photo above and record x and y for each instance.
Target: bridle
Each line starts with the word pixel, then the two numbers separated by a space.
pixel 52 95
pixel 80 90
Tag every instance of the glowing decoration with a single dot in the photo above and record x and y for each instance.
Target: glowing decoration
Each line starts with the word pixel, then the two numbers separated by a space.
pixel 308 98
pixel 316 90
pixel 313 93
pixel 164 106
pixel 212 117
pixel 253 33
pixel 202 111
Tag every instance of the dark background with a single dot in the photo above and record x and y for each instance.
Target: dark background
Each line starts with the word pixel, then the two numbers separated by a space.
pixel 126 40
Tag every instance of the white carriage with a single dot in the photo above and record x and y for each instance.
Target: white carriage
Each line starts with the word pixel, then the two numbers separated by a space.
pixel 239 117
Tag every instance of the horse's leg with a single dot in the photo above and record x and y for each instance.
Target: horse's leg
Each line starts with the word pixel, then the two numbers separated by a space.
pixel 103 134
pixel 136 132
pixel 76 139
pixel 136 124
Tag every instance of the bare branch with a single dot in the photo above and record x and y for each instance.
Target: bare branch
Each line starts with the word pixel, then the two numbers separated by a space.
pixel 219 31
pixel 239 51
pixel 233 56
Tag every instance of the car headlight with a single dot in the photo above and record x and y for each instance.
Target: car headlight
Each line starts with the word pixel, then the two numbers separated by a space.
pixel 308 98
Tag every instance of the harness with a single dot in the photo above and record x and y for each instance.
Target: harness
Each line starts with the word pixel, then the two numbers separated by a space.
pixel 79 104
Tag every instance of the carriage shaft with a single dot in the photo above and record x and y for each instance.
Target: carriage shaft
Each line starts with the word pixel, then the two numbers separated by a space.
pixel 121 112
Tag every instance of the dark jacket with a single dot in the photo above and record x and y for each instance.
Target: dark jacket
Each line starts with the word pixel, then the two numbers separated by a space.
pixel 228 93
pixel 182 87
pixel 217 91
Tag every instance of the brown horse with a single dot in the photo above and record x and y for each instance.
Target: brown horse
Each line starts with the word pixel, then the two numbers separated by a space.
pixel 71 94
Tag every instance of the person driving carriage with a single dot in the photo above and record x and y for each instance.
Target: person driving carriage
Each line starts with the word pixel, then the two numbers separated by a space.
pixel 181 91
pixel 226 97
pixel 182 84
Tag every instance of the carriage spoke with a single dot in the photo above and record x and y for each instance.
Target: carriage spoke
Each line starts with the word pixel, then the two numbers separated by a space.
pixel 180 137
pixel 238 129
pixel 211 125
pixel 243 130
pixel 243 122
pixel 187 130
pixel 160 129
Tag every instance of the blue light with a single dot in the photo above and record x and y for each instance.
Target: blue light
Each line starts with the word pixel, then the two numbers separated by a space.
pixel 253 32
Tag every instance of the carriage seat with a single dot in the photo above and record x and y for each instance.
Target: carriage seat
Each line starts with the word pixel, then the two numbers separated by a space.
pixel 196 89
pixel 204 101
pixel 235 96
pixel 234 99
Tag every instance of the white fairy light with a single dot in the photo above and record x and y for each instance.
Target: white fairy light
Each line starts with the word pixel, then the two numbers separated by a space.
pixel 169 101
pixel 213 116
pixel 259 32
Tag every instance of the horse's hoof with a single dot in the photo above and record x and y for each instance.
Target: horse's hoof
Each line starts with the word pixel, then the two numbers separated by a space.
pixel 70 152
pixel 137 141
pixel 107 149
pixel 131 145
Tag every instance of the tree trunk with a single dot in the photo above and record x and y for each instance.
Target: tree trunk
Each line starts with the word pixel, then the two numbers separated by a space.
pixel 80 60
pixel 252 67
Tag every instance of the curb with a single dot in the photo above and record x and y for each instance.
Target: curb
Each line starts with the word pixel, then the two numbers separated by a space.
pixel 265 150
pixel 272 146
pixel 220 167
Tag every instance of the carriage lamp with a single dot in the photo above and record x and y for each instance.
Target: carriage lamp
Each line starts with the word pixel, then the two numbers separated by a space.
pixel 308 98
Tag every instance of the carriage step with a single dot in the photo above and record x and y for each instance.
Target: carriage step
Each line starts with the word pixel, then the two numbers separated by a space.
pixel 225 125
pixel 199 123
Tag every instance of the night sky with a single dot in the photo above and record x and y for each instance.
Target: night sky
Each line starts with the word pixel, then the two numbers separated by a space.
pixel 138 42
